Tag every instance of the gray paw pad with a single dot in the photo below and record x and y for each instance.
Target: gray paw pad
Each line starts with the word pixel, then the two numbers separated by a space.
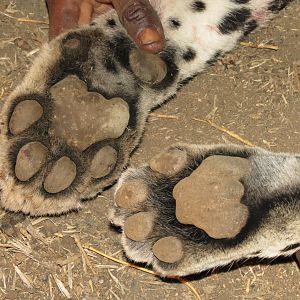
pixel 103 162
pixel 83 118
pixel 169 163
pixel 30 159
pixel 148 67
pixel 24 115
pixel 168 249
pixel 210 198
pixel 138 227
pixel 131 194
pixel 61 175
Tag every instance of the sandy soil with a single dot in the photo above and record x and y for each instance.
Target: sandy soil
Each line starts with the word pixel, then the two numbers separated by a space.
pixel 253 92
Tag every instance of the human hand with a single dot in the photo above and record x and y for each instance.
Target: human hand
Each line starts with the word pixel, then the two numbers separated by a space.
pixel 137 16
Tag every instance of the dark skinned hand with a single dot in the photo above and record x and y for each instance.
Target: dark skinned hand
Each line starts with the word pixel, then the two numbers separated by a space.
pixel 137 16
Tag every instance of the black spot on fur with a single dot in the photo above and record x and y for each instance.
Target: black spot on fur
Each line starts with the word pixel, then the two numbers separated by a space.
pixel 250 26
pixel 215 57
pixel 234 20
pixel 198 6
pixel 240 1
pixel 174 23
pixel 189 55
pixel 185 81
pixel 256 253
pixel 291 247
pixel 111 23
pixel 277 5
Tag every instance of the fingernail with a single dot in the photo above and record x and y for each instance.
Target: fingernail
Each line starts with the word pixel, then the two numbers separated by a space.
pixel 150 40
pixel 149 36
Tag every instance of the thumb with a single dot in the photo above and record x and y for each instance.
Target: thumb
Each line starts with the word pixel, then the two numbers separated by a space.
pixel 142 23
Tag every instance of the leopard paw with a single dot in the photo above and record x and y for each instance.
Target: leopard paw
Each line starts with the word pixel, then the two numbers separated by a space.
pixel 193 208
pixel 70 127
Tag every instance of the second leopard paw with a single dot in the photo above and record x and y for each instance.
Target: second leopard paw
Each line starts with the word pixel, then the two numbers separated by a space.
pixel 193 208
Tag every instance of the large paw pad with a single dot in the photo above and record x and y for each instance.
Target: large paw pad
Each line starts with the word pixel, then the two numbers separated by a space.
pixel 83 118
pixel 210 198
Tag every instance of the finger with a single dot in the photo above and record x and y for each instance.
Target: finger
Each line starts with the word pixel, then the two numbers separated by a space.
pixel 63 15
pixel 86 12
pixel 104 1
pixel 142 23
pixel 102 8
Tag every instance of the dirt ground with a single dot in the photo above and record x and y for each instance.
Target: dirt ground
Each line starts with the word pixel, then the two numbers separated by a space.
pixel 253 92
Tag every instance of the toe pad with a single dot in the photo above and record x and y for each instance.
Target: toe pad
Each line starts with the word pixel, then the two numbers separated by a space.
pixel 169 163
pixel 148 67
pixel 168 249
pixel 61 175
pixel 131 194
pixel 138 227
pixel 103 162
pixel 24 115
pixel 30 159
